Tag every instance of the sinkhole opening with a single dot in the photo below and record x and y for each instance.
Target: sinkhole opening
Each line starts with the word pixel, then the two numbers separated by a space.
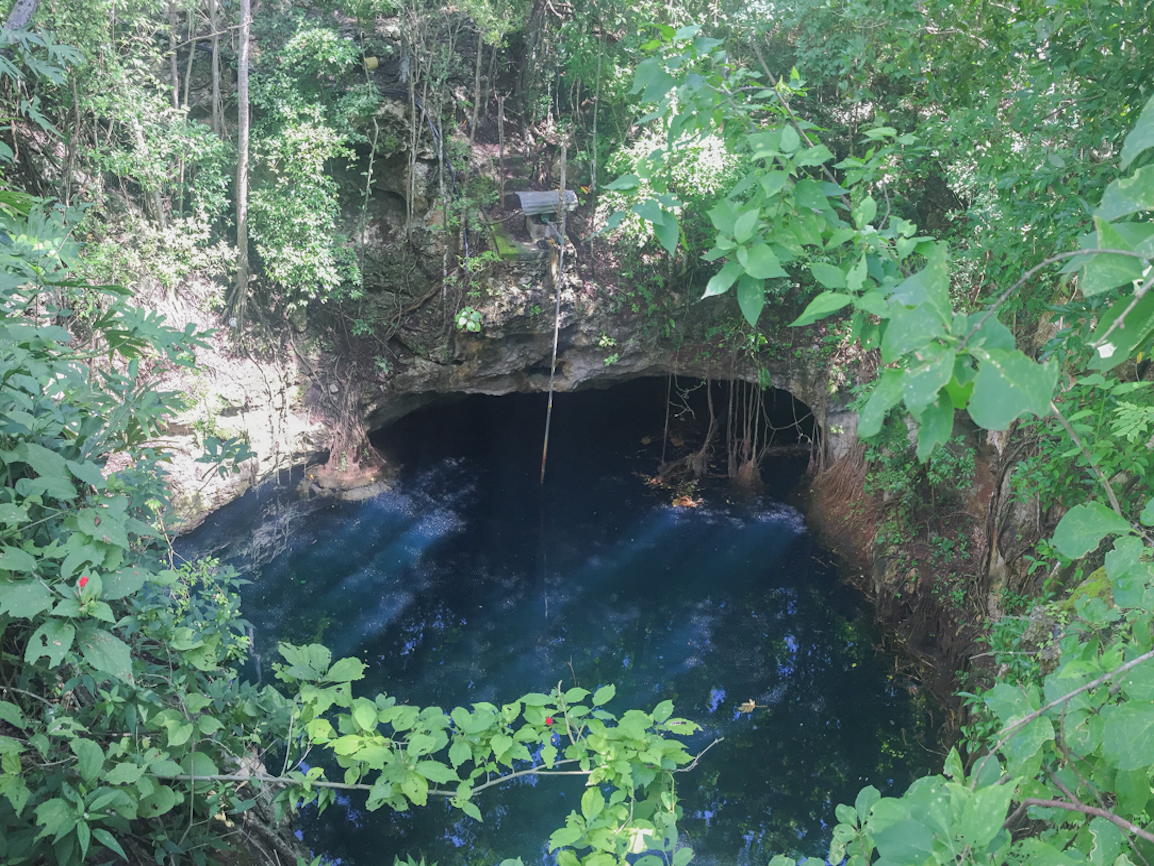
pixel 472 582
pixel 679 431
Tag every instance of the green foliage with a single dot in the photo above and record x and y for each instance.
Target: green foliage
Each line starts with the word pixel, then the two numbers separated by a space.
pixel 304 127
pixel 124 664
pixel 402 755
pixel 469 319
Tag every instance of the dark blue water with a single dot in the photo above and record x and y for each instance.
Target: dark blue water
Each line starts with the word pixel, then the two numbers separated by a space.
pixel 472 583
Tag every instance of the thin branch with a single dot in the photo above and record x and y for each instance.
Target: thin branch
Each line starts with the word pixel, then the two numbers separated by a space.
pixel 1090 457
pixel 1010 730
pixel 845 201
pixel 1002 298
pixel 42 700
pixel 1120 322
pixel 1090 810
pixel 538 770
pixel 693 763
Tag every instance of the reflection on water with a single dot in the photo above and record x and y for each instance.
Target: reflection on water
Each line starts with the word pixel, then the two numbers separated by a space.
pixel 471 584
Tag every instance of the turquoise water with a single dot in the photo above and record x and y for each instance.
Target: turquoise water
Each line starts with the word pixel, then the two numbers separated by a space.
pixel 471 582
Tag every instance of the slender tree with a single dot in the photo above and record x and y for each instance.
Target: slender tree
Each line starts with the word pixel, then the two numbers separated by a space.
pixel 242 162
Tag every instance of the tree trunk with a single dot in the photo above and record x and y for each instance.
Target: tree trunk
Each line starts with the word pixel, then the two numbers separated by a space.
pixel 217 121
pixel 21 14
pixel 242 162
pixel 173 66
pixel 476 89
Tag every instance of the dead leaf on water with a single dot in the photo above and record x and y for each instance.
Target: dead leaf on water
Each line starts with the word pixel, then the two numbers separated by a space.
pixel 645 440
pixel 748 707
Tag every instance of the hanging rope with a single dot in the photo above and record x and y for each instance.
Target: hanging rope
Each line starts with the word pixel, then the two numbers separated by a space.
pixel 557 281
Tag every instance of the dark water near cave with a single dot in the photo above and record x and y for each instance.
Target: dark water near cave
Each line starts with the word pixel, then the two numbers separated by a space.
pixel 472 583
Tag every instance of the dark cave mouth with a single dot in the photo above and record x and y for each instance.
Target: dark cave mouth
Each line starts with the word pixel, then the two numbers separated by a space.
pixel 675 429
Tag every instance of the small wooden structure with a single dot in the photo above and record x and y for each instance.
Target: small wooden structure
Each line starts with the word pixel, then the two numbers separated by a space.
pixel 534 203
pixel 541 211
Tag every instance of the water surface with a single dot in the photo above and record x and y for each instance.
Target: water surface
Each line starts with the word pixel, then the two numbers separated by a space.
pixel 470 583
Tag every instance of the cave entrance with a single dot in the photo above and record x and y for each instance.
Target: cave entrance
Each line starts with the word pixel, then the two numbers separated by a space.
pixel 677 430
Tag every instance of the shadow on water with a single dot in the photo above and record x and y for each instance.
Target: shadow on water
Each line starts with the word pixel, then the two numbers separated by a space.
pixel 472 583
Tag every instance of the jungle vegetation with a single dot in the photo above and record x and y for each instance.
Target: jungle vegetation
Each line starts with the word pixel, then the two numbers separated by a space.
pixel 963 189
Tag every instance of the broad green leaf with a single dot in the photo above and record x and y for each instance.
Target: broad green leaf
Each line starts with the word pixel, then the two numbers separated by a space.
pixel 856 277
pixel 929 287
pixel 1140 137
pixel 886 394
pixel 127 581
pixel 592 803
pixel 809 194
pixel 873 303
pixel 1009 385
pixel 745 225
pixel 365 714
pixel 14 790
pixel 991 334
pixel 89 757
pixel 984 814
pixel 548 755
pixel 652 81
pixel 624 183
pixel 1147 515
pixel 760 262
pixel 437 772
pixel 459 752
pixel 1128 195
pixel 865 212
pixel 845 814
pixel 668 232
pixel 650 211
pixel 109 841
pixel 899 837
pixel 1105 271
pixel 772 182
pixel 720 282
pixel 815 155
pixel 473 812
pixel 662 711
pixel 935 426
pixel 105 652
pixel 53 478
pixel 908 329
pixel 823 305
pixel 928 372
pixel 11 714
pixel 1128 739
pixel 15 559
pixel 751 298
pixel 604 695
pixel 790 140
pixel 345 670
pixel 56 817
pixel 723 216
pixel 830 276
pixel 1124 339
pixel 25 599
pixel 199 764
pixel 866 798
pixel 564 836
pixel 1083 527
pixel 53 639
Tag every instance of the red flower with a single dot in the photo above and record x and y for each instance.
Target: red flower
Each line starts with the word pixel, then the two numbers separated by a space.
pixel 548 720
pixel 83 582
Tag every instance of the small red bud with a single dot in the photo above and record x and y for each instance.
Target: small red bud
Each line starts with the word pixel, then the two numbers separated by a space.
pixel 83 582
pixel 548 720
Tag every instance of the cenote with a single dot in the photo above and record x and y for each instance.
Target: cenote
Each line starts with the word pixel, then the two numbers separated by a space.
pixel 473 582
